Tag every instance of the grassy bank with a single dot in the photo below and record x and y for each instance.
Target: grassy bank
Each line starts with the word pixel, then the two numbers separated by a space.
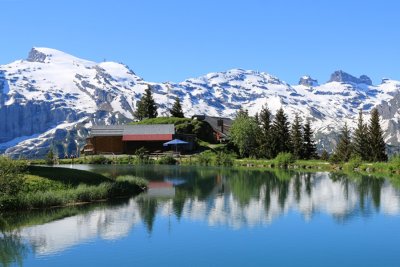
pixel 43 187
pixel 218 157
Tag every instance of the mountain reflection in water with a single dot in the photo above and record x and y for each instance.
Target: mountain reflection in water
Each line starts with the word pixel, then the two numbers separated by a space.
pixel 219 198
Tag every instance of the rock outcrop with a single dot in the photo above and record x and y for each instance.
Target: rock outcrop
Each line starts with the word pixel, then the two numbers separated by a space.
pixel 341 76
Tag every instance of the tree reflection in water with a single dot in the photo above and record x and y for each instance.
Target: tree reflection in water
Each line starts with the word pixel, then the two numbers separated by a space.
pixel 12 247
pixel 227 197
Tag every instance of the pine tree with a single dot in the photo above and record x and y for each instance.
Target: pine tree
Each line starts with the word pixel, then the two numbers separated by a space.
pixel 377 148
pixel 324 155
pixel 344 147
pixel 265 122
pixel 296 137
pixel 257 118
pixel 309 146
pixel 280 135
pixel 146 106
pixel 176 110
pixel 360 139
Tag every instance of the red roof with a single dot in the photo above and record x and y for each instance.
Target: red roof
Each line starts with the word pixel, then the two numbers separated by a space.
pixel 147 137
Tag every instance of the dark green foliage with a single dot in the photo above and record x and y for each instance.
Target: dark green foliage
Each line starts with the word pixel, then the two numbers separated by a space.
pixel 377 148
pixel 100 159
pixel 265 122
pixel 324 155
pixel 283 159
pixel 360 138
pixel 243 134
pixel 309 147
pixel 354 162
pixel 50 159
pixel 11 176
pixel 280 135
pixel 224 159
pixel 296 137
pixel 146 106
pixel 167 160
pixel 257 118
pixel 344 148
pixel 205 158
pixel 176 110
pixel 334 159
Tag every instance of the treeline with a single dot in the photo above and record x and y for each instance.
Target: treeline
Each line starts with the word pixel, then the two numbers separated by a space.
pixel 262 137
pixel 366 143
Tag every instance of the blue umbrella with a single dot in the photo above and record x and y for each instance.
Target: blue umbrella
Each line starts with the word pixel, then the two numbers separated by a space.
pixel 175 142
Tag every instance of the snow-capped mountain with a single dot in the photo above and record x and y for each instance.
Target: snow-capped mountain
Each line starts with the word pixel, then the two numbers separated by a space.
pixel 53 98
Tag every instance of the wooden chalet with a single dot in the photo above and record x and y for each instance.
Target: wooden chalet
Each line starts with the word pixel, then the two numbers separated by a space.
pixel 126 139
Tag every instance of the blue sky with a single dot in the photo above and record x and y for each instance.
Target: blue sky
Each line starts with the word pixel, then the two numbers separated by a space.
pixel 174 40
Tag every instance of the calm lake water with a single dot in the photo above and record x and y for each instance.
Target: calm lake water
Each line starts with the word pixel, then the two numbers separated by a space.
pixel 194 216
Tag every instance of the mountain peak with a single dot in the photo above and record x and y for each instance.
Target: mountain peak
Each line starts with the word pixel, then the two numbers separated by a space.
pixel 50 55
pixel 341 76
pixel 308 81
pixel 37 55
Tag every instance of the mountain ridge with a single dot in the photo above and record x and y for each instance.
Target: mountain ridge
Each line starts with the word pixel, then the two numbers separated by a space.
pixel 52 98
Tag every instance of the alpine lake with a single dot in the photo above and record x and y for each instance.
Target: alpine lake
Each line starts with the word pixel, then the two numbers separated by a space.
pixel 209 216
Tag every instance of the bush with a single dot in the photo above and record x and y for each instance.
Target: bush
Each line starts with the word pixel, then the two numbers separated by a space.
pixel 100 160
pixel 334 159
pixel 205 158
pixel 354 162
pixel 284 159
pixel 395 161
pixel 224 159
pixel 11 176
pixel 168 160
pixel 324 155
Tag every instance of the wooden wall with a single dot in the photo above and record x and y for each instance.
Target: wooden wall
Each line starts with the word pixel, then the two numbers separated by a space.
pixel 108 144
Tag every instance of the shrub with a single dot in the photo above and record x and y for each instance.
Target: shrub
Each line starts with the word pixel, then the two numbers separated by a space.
pixel 324 155
pixel 100 160
pixel 205 158
pixel 354 162
pixel 395 161
pixel 284 159
pixel 11 176
pixel 224 159
pixel 168 160
pixel 334 159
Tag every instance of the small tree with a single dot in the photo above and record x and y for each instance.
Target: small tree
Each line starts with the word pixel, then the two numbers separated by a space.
pixel 243 134
pixel 377 145
pixel 50 158
pixel 324 155
pixel 296 137
pixel 360 139
pixel 344 147
pixel 176 110
pixel 309 146
pixel 146 106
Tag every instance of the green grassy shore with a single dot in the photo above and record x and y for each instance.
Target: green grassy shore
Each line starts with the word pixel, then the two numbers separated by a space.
pixel 220 158
pixel 34 187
